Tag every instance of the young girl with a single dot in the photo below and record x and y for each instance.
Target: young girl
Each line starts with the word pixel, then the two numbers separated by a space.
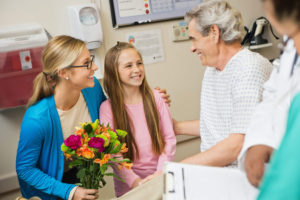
pixel 142 112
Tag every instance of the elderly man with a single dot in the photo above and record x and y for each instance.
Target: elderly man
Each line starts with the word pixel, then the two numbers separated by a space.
pixel 232 84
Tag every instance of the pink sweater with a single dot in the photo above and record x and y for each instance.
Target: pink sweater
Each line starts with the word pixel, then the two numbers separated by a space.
pixel 148 163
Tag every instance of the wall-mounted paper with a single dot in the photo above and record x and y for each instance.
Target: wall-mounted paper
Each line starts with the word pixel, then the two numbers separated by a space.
pixel 149 43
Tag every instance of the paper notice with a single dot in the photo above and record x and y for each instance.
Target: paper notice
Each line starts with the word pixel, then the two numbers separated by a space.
pixel 149 43
pixel 25 60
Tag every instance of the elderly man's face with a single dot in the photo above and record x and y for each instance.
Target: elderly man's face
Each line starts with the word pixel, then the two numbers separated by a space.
pixel 203 46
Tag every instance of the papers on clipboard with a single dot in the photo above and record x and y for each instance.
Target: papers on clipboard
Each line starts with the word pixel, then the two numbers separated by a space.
pixel 194 182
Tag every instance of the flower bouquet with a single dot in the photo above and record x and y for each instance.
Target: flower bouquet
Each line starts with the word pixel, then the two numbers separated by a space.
pixel 92 149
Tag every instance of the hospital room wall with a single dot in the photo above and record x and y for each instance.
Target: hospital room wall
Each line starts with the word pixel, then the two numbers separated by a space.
pixel 180 73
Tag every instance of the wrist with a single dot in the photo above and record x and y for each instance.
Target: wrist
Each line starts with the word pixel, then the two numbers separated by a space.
pixel 177 128
pixel 136 182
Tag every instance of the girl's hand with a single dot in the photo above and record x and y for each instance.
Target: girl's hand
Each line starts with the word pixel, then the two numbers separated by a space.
pixel 136 183
pixel 148 178
pixel 165 95
pixel 82 193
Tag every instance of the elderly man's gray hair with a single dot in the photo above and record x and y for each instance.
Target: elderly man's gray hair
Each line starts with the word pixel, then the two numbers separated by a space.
pixel 220 13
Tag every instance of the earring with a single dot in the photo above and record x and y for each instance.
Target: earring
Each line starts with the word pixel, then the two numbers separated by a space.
pixel 67 78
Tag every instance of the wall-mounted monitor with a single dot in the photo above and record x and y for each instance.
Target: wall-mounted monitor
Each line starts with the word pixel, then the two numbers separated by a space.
pixel 133 12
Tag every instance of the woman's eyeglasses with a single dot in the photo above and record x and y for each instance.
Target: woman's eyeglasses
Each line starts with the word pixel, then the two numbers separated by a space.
pixel 88 65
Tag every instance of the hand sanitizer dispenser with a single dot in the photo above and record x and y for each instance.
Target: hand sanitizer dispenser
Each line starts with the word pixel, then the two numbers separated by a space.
pixel 85 24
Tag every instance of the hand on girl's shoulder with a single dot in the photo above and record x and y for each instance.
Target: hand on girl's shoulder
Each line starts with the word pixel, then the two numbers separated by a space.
pixel 163 93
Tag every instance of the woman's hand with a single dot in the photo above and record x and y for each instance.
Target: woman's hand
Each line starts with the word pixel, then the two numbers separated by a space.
pixel 165 95
pixel 82 193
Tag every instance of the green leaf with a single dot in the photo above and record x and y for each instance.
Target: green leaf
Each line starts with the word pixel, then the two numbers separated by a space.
pixel 113 135
pixel 75 163
pixel 121 133
pixel 70 151
pixel 117 149
pixel 91 168
pixel 114 160
pixel 88 129
pixel 110 147
pixel 119 161
pixel 103 182
pixel 115 176
pixel 81 174
pixel 125 160
pixel 64 148
pixel 95 125
pixel 103 168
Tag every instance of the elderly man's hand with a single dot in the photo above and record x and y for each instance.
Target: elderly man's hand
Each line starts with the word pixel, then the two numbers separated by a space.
pixel 255 160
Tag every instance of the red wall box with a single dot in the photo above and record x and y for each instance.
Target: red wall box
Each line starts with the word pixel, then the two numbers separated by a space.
pixel 21 49
pixel 17 72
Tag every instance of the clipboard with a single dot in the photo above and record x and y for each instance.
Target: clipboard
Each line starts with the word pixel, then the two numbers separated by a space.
pixel 194 182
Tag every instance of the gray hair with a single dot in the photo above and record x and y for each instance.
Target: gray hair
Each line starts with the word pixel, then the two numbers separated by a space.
pixel 220 13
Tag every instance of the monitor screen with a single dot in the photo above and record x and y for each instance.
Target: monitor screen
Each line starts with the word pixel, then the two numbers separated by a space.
pixel 134 12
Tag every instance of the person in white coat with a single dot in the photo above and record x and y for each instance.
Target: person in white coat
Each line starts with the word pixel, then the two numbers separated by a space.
pixel 268 123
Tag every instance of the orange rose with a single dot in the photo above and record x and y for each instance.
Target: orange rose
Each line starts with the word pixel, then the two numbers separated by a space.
pixel 86 153
pixel 105 159
pixel 123 148
pixel 98 130
pixel 103 129
pixel 79 131
pixel 68 156
pixel 125 164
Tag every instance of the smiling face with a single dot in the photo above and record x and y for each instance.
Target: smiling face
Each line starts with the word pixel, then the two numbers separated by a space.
pixel 204 46
pixel 130 68
pixel 81 77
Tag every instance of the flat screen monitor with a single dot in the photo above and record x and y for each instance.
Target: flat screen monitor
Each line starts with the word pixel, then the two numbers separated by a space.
pixel 134 12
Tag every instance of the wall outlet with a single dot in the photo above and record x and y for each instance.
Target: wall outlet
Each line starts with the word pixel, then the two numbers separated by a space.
pixel 180 31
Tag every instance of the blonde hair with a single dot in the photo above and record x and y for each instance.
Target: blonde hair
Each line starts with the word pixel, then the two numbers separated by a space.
pixel 220 13
pixel 113 88
pixel 60 52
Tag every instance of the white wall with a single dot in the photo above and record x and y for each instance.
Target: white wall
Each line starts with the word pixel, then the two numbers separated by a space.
pixel 180 73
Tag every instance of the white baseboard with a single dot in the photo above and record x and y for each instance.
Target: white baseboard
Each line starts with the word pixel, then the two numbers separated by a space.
pixel 8 183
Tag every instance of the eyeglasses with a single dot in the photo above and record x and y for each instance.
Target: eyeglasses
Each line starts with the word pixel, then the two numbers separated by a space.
pixel 88 65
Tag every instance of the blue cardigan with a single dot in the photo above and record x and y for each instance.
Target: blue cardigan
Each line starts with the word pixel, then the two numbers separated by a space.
pixel 40 162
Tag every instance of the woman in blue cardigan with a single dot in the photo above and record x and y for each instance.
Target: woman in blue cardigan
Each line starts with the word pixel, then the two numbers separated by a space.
pixel 65 94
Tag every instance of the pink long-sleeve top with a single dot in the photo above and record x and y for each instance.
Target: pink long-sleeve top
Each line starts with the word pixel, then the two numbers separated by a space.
pixel 148 163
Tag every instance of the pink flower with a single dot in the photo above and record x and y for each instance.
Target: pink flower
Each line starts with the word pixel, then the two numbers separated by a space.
pixel 73 141
pixel 97 143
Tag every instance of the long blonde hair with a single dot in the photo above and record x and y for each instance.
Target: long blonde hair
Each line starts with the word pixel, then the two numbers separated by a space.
pixel 113 88
pixel 60 52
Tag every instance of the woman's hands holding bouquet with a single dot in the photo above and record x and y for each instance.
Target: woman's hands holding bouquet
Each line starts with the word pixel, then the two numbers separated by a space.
pixel 82 194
